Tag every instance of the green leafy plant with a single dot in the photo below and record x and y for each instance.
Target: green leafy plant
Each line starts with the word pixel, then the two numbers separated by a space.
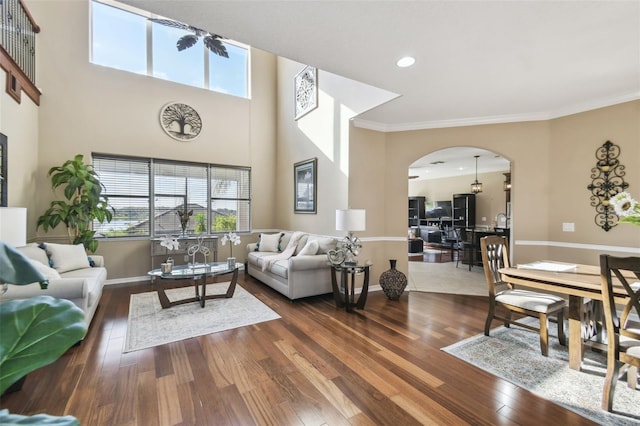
pixel 35 332
pixel 84 202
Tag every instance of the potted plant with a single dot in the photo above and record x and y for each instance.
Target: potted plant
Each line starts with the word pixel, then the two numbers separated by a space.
pixel 84 202
pixel 35 332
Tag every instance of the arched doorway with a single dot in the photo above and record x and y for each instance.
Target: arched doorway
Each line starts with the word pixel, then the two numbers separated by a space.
pixel 444 182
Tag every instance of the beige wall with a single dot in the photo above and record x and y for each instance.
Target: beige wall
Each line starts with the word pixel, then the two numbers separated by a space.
pixel 551 168
pixel 19 123
pixel 87 108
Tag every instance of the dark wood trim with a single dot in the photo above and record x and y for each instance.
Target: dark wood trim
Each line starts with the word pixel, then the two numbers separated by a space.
pixel 17 80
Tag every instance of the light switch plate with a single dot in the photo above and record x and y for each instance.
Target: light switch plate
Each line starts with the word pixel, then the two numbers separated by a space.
pixel 568 227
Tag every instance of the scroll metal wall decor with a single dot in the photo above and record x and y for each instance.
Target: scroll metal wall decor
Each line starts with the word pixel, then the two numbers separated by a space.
pixel 607 181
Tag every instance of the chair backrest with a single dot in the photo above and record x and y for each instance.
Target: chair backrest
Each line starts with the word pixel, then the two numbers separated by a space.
pixel 495 255
pixel 618 271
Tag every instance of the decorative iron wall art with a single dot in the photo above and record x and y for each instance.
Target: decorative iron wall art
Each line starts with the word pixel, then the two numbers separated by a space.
pixel 607 181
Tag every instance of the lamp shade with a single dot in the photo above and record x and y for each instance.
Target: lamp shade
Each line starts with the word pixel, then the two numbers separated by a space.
pixel 351 220
pixel 13 226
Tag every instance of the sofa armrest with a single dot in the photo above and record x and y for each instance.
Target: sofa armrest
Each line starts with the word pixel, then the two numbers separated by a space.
pixel 251 247
pixel 97 259
pixel 61 288
pixel 301 263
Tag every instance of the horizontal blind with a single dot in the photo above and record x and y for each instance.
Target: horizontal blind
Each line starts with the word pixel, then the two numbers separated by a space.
pixel 126 185
pixel 230 199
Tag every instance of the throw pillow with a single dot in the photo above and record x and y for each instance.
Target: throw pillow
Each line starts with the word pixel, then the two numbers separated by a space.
pixel 67 257
pixel 326 244
pixel 309 249
pixel 33 251
pixel 269 242
pixel 49 273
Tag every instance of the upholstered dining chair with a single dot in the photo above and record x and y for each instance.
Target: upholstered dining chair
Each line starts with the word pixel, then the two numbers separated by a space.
pixel 623 331
pixel 495 255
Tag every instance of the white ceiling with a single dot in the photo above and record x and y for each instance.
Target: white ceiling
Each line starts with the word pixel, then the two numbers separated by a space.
pixel 457 161
pixel 476 61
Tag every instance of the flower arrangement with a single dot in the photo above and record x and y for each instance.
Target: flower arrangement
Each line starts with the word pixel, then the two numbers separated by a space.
pixel 233 240
pixel 626 207
pixel 169 243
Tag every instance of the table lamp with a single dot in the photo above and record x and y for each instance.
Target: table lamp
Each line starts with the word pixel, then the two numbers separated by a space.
pixel 350 220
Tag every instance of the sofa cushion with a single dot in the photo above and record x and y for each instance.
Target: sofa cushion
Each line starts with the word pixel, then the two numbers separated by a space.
pixel 49 273
pixel 269 242
pixel 309 249
pixel 95 278
pixel 67 257
pixel 34 252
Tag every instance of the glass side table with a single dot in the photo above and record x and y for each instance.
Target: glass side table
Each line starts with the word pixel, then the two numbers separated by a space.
pixel 344 293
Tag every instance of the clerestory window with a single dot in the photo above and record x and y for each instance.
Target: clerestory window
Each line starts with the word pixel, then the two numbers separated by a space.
pixel 150 196
pixel 148 45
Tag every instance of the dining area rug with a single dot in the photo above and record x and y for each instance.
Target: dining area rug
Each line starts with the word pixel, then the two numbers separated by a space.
pixel 513 354
pixel 150 325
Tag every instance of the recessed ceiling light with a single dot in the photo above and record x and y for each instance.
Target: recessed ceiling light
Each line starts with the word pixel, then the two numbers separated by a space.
pixel 407 61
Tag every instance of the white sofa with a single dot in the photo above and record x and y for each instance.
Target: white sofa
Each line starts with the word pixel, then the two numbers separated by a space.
pixel 301 275
pixel 70 274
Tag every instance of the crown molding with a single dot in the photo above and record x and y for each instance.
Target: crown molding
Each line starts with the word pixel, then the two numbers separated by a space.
pixel 498 119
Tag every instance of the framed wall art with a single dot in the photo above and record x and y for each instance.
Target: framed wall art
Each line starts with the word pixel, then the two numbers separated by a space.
pixel 305 188
pixel 306 91
pixel 180 121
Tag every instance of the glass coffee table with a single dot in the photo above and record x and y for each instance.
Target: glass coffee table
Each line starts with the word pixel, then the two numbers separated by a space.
pixel 198 275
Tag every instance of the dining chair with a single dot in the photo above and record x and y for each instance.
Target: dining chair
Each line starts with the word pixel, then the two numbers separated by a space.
pixel 468 245
pixel 495 255
pixel 451 241
pixel 623 330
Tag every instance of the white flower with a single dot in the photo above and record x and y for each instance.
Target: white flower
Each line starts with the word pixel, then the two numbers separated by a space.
pixel 169 242
pixel 623 204
pixel 626 207
pixel 232 238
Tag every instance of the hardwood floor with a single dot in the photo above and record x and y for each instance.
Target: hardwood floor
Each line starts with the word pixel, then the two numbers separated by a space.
pixel 316 365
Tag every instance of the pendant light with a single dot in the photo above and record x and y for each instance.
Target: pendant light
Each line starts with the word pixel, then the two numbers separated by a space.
pixel 476 186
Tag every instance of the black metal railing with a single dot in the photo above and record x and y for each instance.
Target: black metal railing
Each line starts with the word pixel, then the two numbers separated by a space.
pixel 18 32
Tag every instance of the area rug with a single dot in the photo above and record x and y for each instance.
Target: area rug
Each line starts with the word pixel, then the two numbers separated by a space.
pixel 446 278
pixel 514 355
pixel 149 325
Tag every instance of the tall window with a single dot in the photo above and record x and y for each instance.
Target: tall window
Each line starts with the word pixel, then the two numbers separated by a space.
pixel 136 37
pixel 151 197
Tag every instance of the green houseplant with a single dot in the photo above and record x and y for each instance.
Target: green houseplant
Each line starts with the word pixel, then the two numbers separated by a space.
pixel 35 332
pixel 84 202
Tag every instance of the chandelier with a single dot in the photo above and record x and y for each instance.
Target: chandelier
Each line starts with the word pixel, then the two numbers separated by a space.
pixel 476 186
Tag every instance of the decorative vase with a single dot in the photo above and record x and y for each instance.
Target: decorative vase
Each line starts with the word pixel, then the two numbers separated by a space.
pixel 393 281
pixel 167 266
pixel 231 262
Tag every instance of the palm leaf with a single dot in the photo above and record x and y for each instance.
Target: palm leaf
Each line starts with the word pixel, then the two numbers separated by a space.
pixel 214 44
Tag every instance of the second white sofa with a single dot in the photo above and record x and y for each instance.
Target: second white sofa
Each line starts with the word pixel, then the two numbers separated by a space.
pixel 306 273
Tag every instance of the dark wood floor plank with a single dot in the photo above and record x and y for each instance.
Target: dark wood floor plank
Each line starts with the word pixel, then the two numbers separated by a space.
pixel 315 365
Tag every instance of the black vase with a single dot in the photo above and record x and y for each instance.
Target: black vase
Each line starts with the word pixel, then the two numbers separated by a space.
pixel 393 281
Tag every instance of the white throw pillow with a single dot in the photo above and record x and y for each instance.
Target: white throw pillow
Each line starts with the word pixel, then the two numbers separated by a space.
pixel 49 273
pixel 67 257
pixel 269 242
pixel 33 251
pixel 309 249
pixel 326 244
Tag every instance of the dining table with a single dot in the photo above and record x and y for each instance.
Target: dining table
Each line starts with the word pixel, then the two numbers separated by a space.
pixel 582 285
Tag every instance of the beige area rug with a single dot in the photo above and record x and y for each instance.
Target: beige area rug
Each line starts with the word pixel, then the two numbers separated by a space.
pixel 149 325
pixel 446 278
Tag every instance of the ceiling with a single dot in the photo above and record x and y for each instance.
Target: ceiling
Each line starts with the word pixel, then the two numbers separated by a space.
pixel 457 161
pixel 477 62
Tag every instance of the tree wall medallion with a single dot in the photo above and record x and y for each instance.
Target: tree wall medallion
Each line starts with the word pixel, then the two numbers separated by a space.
pixel 180 121
pixel 607 181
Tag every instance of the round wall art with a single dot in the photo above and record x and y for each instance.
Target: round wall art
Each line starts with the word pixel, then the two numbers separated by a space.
pixel 180 121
